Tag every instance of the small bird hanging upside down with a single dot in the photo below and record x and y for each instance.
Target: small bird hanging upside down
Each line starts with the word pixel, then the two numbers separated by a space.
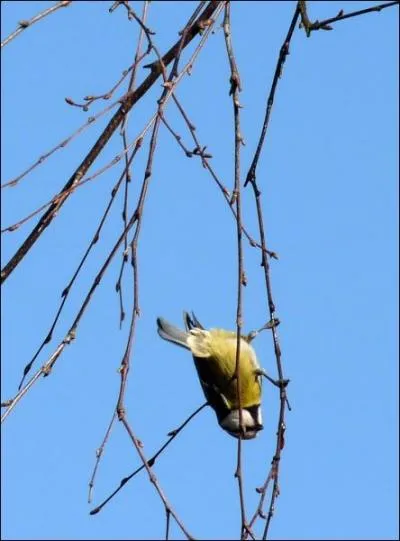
pixel 214 355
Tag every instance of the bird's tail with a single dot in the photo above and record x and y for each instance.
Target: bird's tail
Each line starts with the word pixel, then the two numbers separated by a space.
pixel 173 334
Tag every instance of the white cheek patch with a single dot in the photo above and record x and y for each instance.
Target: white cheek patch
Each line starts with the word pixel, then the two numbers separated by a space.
pixel 231 423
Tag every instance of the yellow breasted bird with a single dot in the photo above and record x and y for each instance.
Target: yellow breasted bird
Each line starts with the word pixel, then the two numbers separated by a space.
pixel 214 355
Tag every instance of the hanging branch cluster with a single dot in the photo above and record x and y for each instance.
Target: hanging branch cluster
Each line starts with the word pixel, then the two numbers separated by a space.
pixel 201 23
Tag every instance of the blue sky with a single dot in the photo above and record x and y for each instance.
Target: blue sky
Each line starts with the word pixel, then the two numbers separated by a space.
pixel 329 181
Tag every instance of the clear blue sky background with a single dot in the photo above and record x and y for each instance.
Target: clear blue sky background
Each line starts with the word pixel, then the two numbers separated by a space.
pixel 329 177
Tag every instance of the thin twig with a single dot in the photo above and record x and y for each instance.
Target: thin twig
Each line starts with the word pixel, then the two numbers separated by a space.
pixel 141 22
pixel 114 161
pixel 126 175
pixel 89 100
pixel 251 177
pixel 66 291
pixel 23 25
pixel 236 197
pixel 154 481
pixel 124 125
pixel 126 359
pixel 284 51
pixel 125 363
pixel 99 454
pixel 14 181
pixel 341 16
pixel 200 151
pixel 43 371
pixel 167 522
pixel 48 366
pixel 173 434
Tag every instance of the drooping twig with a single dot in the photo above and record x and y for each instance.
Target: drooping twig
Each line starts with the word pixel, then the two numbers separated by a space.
pixel 125 363
pixel 251 177
pixel 126 359
pixel 284 51
pixel 236 199
pixel 49 364
pixel 132 82
pixel 66 291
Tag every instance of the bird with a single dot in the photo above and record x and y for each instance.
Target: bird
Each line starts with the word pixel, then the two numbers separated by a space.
pixel 214 355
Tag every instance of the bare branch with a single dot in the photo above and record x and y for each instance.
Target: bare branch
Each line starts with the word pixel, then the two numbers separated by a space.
pixel 23 25
pixel 278 72
pixel 251 177
pixel 234 92
pixel 173 434
pixel 326 24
